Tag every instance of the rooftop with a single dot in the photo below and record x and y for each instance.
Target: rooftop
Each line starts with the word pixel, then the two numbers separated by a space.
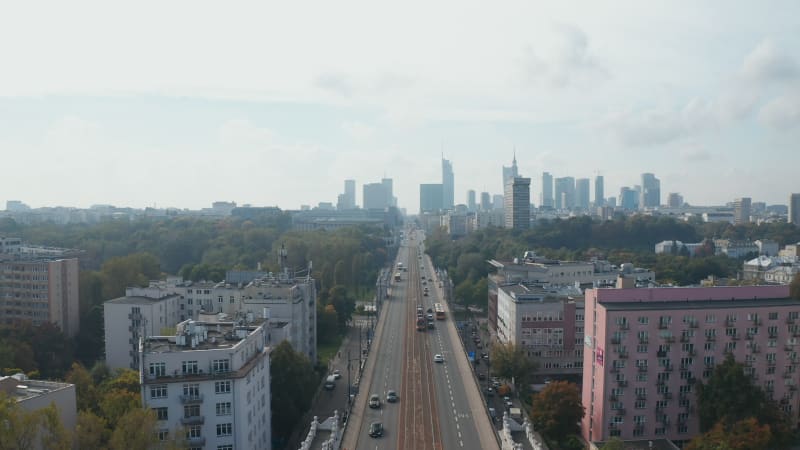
pixel 21 388
pixel 139 300
pixel 214 332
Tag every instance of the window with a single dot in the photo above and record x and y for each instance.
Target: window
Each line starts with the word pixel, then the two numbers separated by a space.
pixel 644 320
pixel 158 369
pixel 194 432
pixel 222 387
pixel 708 346
pixel 710 318
pixel 158 391
pixel 773 316
pixel 219 299
pixel 221 365
pixel 642 377
pixel 191 390
pixel 163 435
pixel 225 447
pixel 191 410
pixel 190 367
pixel 224 409
pixel 224 429
pixel 161 413
pixel 641 348
pixel 640 404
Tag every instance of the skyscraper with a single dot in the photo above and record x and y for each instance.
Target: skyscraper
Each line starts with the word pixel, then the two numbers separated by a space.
pixel 599 191
pixel 448 185
pixel 347 200
pixel 547 191
pixel 375 196
pixel 741 210
pixel 794 209
pixel 517 203
pixel 582 193
pixel 471 200
pixel 565 193
pixel 430 198
pixel 651 191
pixel 510 172
pixel 388 185
pixel 674 200
pixel 486 201
pixel 627 198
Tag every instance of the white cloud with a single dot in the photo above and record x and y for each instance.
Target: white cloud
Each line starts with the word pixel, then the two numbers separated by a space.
pixel 242 133
pixel 783 112
pixel 358 130
pixel 767 62
pixel 694 152
pixel 565 60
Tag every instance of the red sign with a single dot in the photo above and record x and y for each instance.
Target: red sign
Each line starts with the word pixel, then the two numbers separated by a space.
pixel 599 356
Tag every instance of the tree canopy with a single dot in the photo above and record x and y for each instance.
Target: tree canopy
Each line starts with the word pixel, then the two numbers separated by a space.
pixel 292 383
pixel 512 363
pixel 746 434
pixel 557 410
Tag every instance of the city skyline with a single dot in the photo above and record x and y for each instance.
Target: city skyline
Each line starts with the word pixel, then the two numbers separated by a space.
pixel 708 104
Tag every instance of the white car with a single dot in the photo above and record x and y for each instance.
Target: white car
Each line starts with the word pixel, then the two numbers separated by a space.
pixel 437 358
pixel 337 374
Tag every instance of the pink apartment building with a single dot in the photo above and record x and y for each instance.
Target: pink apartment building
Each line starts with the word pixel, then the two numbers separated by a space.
pixel 645 349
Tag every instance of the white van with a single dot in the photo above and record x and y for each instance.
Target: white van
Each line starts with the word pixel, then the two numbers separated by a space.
pixel 330 382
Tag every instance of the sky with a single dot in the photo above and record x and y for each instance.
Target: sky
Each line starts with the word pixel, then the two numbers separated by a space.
pixel 183 103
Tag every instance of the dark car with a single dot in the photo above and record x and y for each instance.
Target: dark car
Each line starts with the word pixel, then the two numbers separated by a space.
pixel 391 397
pixel 375 429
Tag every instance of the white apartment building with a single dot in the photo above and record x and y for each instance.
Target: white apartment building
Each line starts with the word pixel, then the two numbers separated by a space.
pixel 210 380
pixel 290 303
pixel 128 318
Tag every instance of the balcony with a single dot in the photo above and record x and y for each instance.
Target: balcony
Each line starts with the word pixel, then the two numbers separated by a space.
pixel 711 337
pixel 623 355
pixel 641 396
pixel 684 338
pixel 196 441
pixel 663 325
pixel 614 369
pixel 661 354
pixel 771 362
pixel 693 324
pixel 790 320
pixel 190 399
pixel 667 395
pixel 616 340
pixel 622 383
pixel 730 322
pixel 787 374
pixel 644 340
pixel 642 369
pixel 669 339
pixel 193 420
pixel 613 398
pixel 620 412
pixel 735 337
pixel 624 326
pixel 755 349
pixel 693 352
pixel 749 336
pixel 667 368
pixel 788 347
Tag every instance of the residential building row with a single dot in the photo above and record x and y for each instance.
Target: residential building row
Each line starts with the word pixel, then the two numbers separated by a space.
pixel 287 301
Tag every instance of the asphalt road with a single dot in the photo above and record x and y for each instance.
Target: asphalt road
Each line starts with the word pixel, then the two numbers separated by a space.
pixel 440 406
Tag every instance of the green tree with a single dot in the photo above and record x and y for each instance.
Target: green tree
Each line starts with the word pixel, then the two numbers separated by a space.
pixel 292 384
pixel 327 323
pixel 730 396
pixel 745 434
pixel 510 362
pixel 22 429
pixel 136 430
pixel 85 389
pixel 557 410
pixel 91 430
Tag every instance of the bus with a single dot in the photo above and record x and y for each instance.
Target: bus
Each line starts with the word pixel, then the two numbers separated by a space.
pixel 438 310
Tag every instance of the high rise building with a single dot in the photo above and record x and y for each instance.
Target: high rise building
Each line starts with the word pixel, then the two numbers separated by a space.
pixel 510 172
pixel 794 209
pixel 375 196
pixel 388 186
pixel 651 191
pixel 347 200
pixel 646 349
pixel 565 193
pixel 486 201
pixel 448 185
pixel 582 193
pixel 517 203
pixel 430 198
pixel 471 204
pixel 599 191
pixel 39 284
pixel 741 210
pixel 497 201
pixel 674 200
pixel 546 202
pixel 627 198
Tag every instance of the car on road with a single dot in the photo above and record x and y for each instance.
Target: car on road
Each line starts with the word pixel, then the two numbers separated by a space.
pixel 337 374
pixel 493 414
pixel 489 392
pixel 374 401
pixel 437 358
pixel 391 396
pixel 507 402
pixel 481 376
pixel 375 429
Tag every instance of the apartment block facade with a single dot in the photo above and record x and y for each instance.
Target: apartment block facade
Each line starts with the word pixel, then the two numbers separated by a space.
pixel 38 286
pixel 210 381
pixel 645 350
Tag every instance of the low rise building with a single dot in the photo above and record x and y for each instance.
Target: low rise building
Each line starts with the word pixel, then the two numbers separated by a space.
pixel 32 395
pixel 735 249
pixel 210 381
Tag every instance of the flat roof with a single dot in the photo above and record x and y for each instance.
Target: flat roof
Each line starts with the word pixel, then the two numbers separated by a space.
pixel 699 304
pixel 139 300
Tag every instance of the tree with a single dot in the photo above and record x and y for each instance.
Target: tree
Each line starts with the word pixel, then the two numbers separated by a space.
pixel 85 390
pixel 327 323
pixel 730 396
pixel 136 430
pixel 557 410
pixel 23 430
pixel 292 384
pixel 52 434
pixel 91 431
pixel 510 362
pixel 745 434
pixel 614 443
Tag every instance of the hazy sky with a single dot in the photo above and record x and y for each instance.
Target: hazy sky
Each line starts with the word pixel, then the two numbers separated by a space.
pixel 182 103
